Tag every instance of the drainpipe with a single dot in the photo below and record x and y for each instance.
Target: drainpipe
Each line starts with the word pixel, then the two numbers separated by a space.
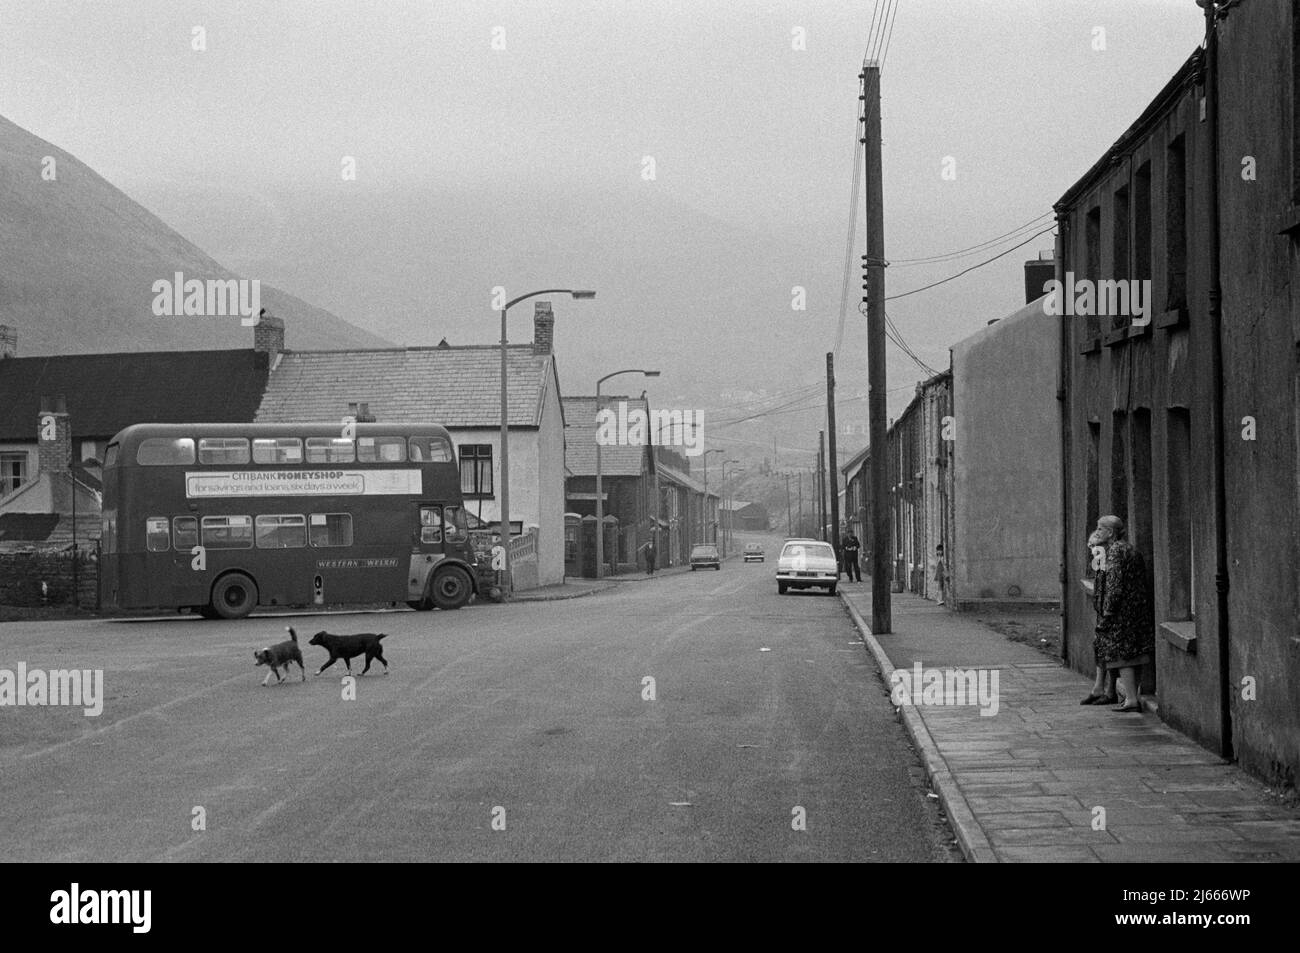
pixel 1063 402
pixel 1216 381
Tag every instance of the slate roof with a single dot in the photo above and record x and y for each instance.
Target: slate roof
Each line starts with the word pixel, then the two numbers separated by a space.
pixel 580 439
pixel 450 386
pixel 107 392
pixel 673 475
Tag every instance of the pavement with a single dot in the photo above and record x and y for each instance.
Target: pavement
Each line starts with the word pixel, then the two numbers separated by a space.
pixel 576 587
pixel 692 717
pixel 1047 779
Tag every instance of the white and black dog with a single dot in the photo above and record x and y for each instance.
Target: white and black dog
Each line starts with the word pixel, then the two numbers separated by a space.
pixel 282 653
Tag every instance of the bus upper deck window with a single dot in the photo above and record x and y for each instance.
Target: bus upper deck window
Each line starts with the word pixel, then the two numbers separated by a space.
pixel 277 450
pixel 430 450
pixel 157 538
pixel 161 451
pixel 381 450
pixel 110 456
pixel 330 450
pixel 223 450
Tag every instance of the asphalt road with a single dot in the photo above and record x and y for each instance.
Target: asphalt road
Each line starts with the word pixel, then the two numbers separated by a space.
pixel 765 708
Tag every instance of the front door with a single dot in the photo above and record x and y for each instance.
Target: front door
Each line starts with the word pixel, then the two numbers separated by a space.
pixel 427 547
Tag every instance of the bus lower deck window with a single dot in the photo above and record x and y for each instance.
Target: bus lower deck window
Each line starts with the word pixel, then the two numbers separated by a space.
pixel 281 532
pixel 331 529
pixel 228 532
pixel 157 538
pixel 185 532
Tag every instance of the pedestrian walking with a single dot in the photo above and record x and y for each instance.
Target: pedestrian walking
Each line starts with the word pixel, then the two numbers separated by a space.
pixel 1125 636
pixel 852 548
pixel 649 548
pixel 940 573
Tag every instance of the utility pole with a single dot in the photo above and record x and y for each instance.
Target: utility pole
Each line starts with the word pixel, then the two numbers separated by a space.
pixel 874 266
pixel 832 468
pixel 821 484
pixel 789 528
pixel 799 477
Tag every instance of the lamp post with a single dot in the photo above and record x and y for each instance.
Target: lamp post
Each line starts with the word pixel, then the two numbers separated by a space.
pixel 600 502
pixel 726 529
pixel 704 503
pixel 505 425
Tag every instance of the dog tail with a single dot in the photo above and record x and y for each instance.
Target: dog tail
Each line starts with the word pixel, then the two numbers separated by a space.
pixel 292 634
pixel 381 635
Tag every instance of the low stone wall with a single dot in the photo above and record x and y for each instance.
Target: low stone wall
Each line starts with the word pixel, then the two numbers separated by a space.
pixel 22 575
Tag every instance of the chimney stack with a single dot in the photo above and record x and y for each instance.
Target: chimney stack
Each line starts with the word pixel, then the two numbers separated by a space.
pixel 8 341
pixel 268 335
pixel 1038 272
pixel 54 436
pixel 543 328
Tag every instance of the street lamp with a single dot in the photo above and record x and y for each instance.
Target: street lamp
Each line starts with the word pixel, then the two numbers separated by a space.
pixel 505 426
pixel 726 530
pixel 600 502
pixel 704 503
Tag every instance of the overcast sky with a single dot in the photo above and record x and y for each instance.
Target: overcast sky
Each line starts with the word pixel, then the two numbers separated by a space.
pixel 741 126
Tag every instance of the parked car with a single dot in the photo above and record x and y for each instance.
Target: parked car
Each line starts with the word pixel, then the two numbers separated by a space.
pixel 807 564
pixel 754 552
pixel 704 555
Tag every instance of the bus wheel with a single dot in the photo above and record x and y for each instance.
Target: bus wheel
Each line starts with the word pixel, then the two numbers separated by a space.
pixel 451 588
pixel 234 596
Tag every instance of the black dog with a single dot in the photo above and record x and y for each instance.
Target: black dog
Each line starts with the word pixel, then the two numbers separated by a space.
pixel 348 647
pixel 282 653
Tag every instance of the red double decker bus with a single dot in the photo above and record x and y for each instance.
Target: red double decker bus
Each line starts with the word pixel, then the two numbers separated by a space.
pixel 222 518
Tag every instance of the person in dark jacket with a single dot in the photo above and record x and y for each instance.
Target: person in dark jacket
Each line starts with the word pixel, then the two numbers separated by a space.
pixel 852 548
pixel 1125 635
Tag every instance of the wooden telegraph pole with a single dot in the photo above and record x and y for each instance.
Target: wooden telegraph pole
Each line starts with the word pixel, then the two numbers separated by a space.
pixel 874 266
pixel 833 477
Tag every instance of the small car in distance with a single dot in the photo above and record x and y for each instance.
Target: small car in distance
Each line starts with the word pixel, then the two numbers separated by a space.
pixel 807 564
pixel 705 555
pixel 754 553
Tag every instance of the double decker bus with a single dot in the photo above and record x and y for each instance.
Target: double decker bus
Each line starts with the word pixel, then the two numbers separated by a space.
pixel 222 518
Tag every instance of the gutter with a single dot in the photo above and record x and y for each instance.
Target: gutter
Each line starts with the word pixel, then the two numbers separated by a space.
pixel 1216 379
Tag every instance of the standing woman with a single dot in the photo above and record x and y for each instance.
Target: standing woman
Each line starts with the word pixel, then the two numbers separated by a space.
pixel 1125 637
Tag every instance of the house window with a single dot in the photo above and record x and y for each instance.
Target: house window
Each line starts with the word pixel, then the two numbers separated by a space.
pixel 1139 533
pixel 1142 223
pixel 1178 514
pixel 13 472
pixel 1092 248
pixel 476 469
pixel 1176 224
pixel 1119 248
pixel 1094 468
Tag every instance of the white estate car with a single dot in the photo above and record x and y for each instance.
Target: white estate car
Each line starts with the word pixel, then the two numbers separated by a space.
pixel 806 564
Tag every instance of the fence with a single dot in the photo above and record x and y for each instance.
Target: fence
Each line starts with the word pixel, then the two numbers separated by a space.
pixel 523 561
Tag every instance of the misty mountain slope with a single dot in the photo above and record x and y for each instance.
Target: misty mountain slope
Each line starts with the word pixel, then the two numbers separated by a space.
pixel 78 259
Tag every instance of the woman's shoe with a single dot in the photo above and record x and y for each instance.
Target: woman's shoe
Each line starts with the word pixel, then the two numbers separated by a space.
pixel 1093 699
pixel 1127 708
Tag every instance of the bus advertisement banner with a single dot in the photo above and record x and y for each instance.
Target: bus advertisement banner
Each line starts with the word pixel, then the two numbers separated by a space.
pixel 239 483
